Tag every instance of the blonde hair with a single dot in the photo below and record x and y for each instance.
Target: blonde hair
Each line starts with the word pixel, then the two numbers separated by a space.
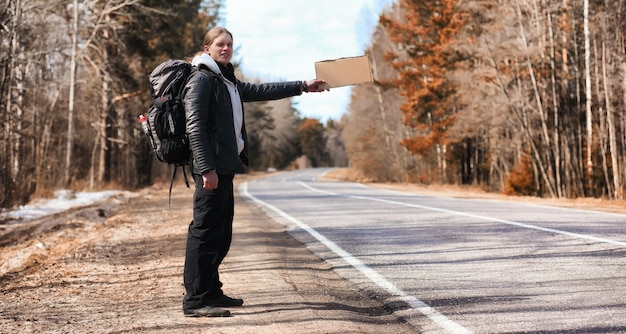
pixel 213 33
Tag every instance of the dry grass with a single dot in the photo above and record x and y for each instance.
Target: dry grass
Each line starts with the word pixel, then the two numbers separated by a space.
pixel 597 204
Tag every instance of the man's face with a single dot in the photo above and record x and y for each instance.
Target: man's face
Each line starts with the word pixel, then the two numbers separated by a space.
pixel 221 50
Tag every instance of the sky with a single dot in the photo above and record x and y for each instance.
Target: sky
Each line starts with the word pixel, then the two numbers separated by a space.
pixel 281 40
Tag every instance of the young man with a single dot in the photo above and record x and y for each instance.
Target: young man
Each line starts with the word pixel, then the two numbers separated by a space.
pixel 215 125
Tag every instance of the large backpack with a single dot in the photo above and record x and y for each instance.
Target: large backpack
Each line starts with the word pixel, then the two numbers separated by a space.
pixel 166 120
pixel 166 116
pixel 166 123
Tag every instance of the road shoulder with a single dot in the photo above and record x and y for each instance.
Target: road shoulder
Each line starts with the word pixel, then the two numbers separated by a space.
pixel 122 273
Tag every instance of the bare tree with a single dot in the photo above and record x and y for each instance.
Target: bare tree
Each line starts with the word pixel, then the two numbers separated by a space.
pixel 70 109
pixel 15 94
pixel 67 68
pixel 588 97
pixel 555 104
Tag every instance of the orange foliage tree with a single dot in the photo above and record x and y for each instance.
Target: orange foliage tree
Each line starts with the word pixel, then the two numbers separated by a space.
pixel 521 180
pixel 425 33
pixel 313 142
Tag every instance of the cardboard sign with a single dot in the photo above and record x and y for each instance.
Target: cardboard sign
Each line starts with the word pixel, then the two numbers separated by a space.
pixel 344 71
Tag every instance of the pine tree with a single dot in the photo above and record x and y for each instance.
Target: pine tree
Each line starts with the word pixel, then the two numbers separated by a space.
pixel 429 27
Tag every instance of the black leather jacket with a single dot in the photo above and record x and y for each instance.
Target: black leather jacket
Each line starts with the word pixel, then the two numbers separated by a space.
pixel 210 124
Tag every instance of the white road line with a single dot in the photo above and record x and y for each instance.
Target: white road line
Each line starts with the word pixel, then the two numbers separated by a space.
pixel 471 215
pixel 370 273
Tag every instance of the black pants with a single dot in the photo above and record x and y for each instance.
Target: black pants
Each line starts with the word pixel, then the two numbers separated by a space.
pixel 208 240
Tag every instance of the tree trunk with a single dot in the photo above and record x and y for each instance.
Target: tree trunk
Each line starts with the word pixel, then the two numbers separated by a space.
pixel 20 70
pixel 12 105
pixel 70 113
pixel 588 98
pixel 617 187
pixel 579 156
pixel 555 106
pixel 623 118
pixel 602 140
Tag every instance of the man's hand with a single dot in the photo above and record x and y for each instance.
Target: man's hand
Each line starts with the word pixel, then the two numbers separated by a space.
pixel 210 180
pixel 316 85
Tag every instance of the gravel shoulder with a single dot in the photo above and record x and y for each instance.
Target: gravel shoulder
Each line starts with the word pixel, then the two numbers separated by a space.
pixel 116 267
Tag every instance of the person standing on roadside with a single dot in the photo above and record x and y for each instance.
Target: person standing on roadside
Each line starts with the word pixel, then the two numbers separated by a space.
pixel 213 101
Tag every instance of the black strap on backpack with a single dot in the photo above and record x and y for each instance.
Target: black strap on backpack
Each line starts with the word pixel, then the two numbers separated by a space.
pixel 169 201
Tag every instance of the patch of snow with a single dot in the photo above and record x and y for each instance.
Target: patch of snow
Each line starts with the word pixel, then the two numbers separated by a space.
pixel 62 201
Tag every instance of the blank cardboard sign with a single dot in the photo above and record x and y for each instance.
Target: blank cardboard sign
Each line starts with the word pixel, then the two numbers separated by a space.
pixel 344 71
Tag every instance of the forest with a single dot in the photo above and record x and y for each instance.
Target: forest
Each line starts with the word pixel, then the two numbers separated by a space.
pixel 522 97
pixel 74 79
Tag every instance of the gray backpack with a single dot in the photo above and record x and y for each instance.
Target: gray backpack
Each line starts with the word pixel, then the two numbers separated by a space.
pixel 166 116
pixel 165 125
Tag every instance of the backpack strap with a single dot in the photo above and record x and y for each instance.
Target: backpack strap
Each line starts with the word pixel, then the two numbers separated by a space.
pixel 169 202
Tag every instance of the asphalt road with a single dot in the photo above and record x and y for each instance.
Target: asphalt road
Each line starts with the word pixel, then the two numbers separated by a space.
pixel 460 265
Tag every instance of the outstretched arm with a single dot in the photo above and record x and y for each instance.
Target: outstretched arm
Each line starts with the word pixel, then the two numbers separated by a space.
pixel 251 92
